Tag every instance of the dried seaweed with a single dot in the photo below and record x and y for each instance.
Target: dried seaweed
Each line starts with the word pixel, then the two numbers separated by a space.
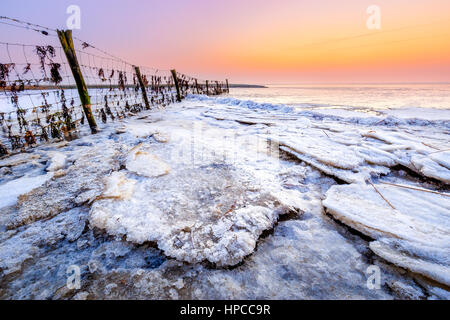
pixel 54 128
pixel 108 109
pixel 101 74
pixel 29 138
pixel 21 120
pixel 26 69
pixel 44 134
pixel 54 71
pixel 45 106
pixel 122 80
pixel 16 142
pixel 45 52
pixel 103 114
pixel 5 69
pixel 69 124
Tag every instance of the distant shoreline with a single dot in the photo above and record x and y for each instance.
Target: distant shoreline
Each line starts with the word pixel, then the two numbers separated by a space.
pixel 53 87
pixel 236 85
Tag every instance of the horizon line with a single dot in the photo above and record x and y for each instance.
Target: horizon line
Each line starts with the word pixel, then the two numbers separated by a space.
pixel 343 83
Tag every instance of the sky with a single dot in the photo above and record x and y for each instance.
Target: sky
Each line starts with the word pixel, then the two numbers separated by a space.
pixel 264 42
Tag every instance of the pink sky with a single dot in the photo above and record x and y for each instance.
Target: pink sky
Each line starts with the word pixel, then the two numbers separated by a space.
pixel 265 41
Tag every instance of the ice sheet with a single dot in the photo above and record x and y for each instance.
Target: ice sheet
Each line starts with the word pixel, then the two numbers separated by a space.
pixel 418 220
pixel 10 191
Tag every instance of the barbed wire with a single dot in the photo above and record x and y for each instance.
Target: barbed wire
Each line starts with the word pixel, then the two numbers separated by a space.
pixel 27 25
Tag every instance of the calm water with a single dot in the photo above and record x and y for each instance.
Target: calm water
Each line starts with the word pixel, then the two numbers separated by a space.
pixel 430 101
pixel 354 97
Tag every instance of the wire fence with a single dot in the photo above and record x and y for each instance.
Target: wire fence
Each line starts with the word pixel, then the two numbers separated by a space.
pixel 40 100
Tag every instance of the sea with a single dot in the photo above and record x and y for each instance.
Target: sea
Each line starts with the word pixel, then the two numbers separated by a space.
pixel 430 101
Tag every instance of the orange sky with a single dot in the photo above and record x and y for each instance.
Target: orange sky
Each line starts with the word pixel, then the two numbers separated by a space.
pixel 270 41
pixel 412 45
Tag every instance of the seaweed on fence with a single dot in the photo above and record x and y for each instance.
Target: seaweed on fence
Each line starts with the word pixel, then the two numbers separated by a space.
pixel 29 138
pixel 45 107
pixel 26 69
pixel 145 80
pixel 54 72
pixel 103 114
pixel 122 80
pixel 44 52
pixel 16 142
pixel 36 122
pixel 21 120
pixel 5 69
pixel 108 109
pixel 44 134
pixel 55 127
pixel 67 115
pixel 101 74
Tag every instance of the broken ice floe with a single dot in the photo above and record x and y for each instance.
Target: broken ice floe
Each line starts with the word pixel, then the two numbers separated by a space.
pixel 144 163
pixel 197 211
pixel 442 158
pixel 10 191
pixel 412 227
pixel 184 225
pixel 434 264
pixel 27 244
pixel 417 155
pixel 252 119
pixel 193 214
pixel 18 159
pixel 57 161
pixel 350 157
pixel 90 164
pixel 138 130
pixel 430 168
pixel 357 173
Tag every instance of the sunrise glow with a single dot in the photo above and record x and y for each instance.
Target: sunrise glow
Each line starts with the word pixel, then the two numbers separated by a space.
pixel 270 41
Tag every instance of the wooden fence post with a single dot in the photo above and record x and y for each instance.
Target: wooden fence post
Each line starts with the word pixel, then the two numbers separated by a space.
pixel 228 87
pixel 196 86
pixel 65 37
pixel 177 86
pixel 207 87
pixel 142 85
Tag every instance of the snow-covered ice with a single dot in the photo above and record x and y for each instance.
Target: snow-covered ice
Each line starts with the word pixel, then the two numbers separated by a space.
pixel 214 211
pixel 217 198
pixel 10 191
pixel 57 162
pixel 144 163
pixel 412 226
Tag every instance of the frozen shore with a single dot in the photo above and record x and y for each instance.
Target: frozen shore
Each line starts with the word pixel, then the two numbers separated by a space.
pixel 216 198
